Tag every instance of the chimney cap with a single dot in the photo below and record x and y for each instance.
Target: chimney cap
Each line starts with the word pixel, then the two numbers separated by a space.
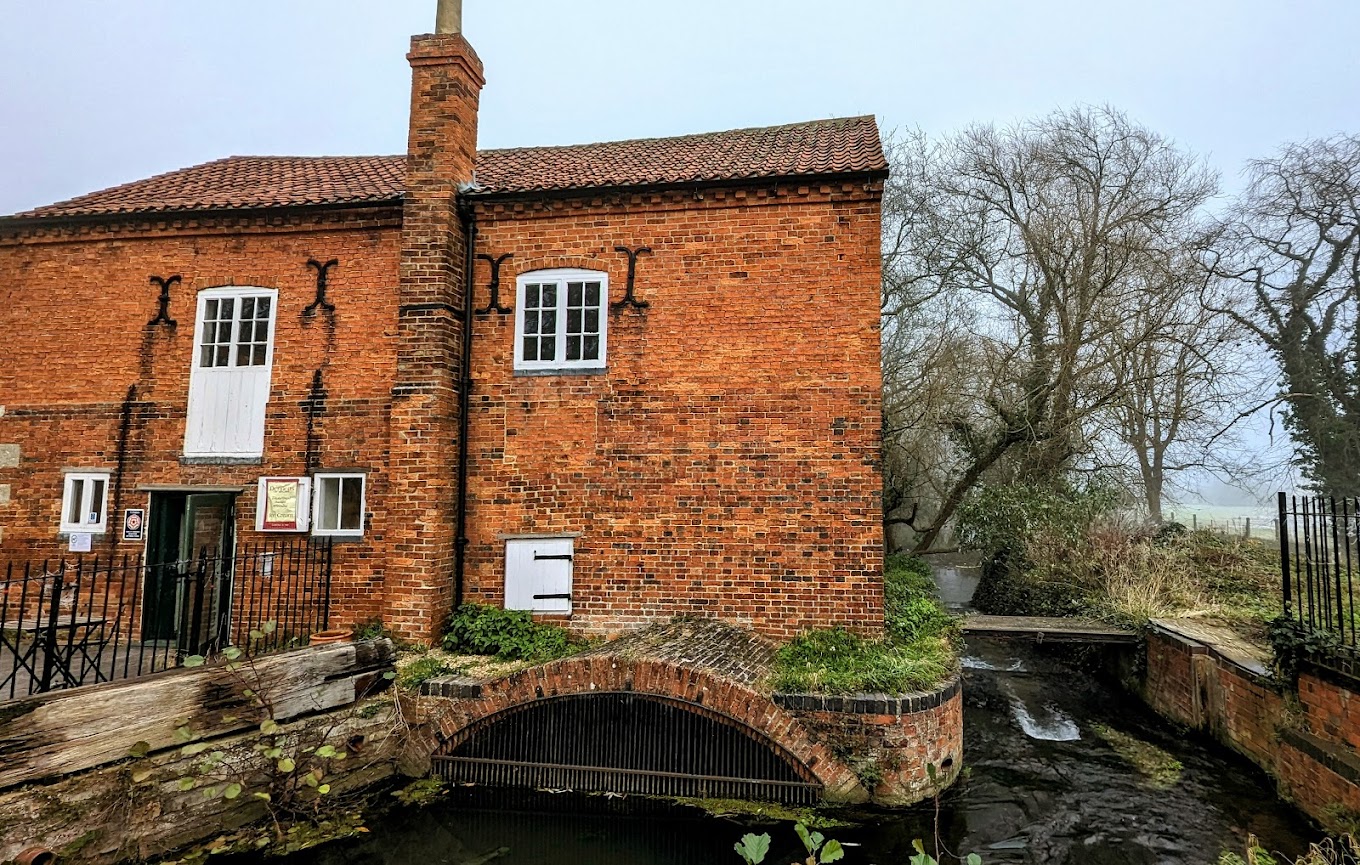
pixel 448 17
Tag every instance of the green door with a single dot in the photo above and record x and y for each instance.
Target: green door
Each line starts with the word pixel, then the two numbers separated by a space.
pixel 185 529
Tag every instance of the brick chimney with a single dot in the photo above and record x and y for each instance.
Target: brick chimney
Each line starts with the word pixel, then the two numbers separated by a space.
pixel 446 83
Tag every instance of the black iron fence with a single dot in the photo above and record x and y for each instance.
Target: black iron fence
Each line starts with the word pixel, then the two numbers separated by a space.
pixel 69 623
pixel 1318 562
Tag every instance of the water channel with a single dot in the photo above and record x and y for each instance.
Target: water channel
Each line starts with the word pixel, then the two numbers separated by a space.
pixel 1062 768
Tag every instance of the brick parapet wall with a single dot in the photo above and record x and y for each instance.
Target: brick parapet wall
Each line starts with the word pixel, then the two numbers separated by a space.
pixel 894 742
pixel 1306 736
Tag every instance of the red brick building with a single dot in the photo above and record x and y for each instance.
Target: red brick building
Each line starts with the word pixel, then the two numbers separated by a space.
pixel 615 383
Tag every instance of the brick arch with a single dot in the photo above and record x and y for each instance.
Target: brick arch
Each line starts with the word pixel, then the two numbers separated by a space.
pixel 197 284
pixel 705 691
pixel 518 267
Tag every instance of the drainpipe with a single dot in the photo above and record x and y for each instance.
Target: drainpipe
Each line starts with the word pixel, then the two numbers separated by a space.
pixel 469 220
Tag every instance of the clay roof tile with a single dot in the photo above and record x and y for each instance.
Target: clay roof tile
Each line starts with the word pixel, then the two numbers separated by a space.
pixel 823 147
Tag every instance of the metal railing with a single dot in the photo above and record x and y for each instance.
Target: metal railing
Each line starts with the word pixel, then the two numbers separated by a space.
pixel 1318 560
pixel 64 623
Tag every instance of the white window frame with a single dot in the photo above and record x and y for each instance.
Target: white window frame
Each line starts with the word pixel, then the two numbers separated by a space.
pixel 197 370
pixel 317 490
pixel 86 480
pixel 236 293
pixel 561 276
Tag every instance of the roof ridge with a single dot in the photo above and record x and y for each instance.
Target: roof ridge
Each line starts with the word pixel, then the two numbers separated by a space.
pixel 682 136
pixel 811 148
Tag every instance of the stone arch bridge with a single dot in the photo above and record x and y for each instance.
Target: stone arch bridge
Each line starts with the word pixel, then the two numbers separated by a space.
pixel 679 710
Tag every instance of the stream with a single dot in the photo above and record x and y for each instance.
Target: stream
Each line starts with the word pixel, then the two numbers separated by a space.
pixel 1061 768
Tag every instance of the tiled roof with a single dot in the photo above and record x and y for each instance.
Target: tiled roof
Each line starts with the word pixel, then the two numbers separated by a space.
pixel 246 182
pixel 823 147
pixel 845 146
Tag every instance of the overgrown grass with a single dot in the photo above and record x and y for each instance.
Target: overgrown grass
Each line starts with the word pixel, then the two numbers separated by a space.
pixel 1344 850
pixel 917 652
pixel 422 670
pixel 1120 572
pixel 509 635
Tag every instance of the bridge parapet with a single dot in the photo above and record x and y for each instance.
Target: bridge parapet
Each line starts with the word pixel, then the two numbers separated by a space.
pixel 681 709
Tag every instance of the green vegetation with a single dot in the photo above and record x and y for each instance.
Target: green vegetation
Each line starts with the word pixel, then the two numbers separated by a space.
pixel 422 670
pixel 509 635
pixel 1070 552
pixel 1157 765
pixel 917 652
pixel 1344 850
pixel 820 850
pixel 754 811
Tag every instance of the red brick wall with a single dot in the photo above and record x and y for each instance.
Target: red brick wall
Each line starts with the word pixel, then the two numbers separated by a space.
pixel 726 464
pixel 446 80
pixel 1311 753
pixel 74 326
pixel 894 743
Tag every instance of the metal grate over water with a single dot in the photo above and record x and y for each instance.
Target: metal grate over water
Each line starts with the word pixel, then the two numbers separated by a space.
pixel 625 743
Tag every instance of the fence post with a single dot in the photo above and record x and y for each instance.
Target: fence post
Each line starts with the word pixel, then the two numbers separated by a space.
pixel 49 637
pixel 330 561
pixel 1283 532
pixel 200 586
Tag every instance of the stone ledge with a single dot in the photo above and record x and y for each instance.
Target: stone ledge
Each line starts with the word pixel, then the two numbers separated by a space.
pixel 1251 660
pixel 872 704
pixel 453 687
pixel 1338 759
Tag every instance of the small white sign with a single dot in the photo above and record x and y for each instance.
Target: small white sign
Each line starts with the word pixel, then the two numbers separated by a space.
pixel 80 542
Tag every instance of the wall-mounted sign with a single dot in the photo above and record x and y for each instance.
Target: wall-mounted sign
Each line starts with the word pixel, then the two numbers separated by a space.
pixel 284 505
pixel 80 542
pixel 134 524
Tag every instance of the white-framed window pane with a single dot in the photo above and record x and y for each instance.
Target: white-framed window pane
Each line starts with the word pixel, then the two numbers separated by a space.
pixel 94 505
pixel 560 321
pixel 84 502
pixel 75 500
pixel 352 504
pixel 340 504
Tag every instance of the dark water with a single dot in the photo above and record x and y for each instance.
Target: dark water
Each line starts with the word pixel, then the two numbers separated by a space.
pixel 1042 787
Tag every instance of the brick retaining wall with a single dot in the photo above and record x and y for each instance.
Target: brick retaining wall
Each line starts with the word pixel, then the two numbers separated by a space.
pixel 1305 737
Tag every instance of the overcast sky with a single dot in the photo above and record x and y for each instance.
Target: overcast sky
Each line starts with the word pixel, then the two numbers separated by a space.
pixel 99 92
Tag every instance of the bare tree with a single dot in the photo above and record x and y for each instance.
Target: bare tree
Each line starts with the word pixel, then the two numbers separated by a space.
pixel 1027 244
pixel 1182 383
pixel 1291 245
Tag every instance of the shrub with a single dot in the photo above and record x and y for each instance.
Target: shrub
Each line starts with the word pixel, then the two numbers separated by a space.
pixel 510 635
pixel 910 608
pixel 1005 519
pixel 916 652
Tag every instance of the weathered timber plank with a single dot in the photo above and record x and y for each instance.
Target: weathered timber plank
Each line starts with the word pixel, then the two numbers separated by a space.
pixel 69 731
pixel 1046 629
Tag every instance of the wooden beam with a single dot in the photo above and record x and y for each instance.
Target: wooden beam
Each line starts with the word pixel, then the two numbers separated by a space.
pixel 69 731
pixel 1046 629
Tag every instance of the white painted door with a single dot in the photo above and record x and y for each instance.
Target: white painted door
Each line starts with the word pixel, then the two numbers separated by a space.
pixel 229 382
pixel 538 574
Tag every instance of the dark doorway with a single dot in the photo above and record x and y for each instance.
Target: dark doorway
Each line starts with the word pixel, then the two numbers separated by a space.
pixel 188 580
